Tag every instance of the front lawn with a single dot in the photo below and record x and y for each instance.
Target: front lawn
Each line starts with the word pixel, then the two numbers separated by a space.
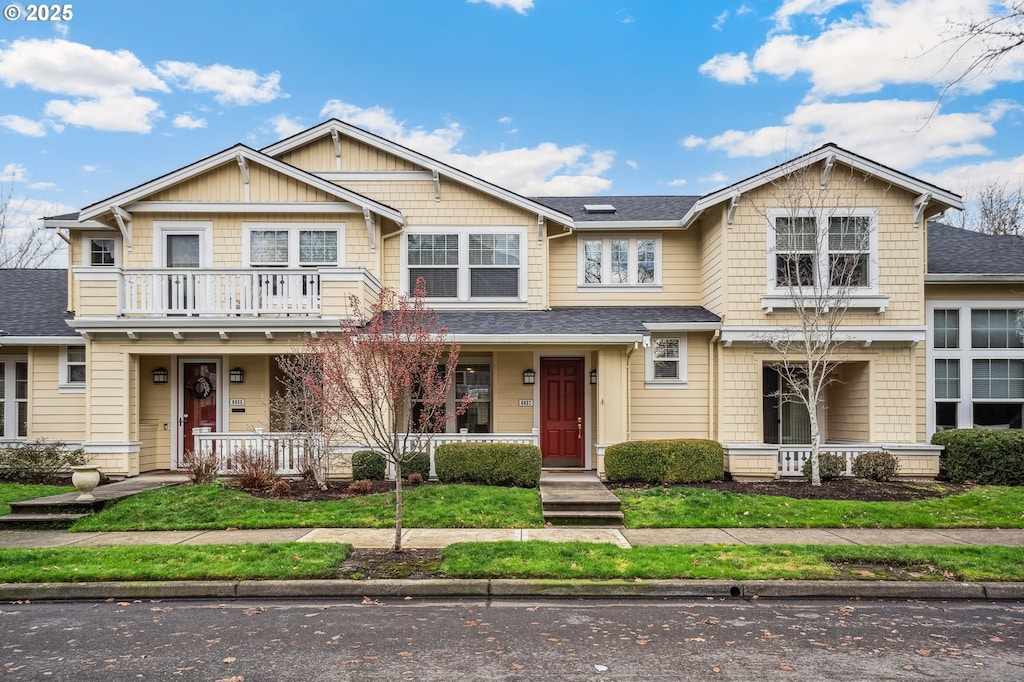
pixel 214 507
pixel 286 561
pixel 16 492
pixel 680 507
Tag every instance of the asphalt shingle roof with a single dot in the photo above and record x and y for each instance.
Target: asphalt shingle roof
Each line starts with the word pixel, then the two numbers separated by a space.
pixel 626 207
pixel 571 320
pixel 33 302
pixel 952 250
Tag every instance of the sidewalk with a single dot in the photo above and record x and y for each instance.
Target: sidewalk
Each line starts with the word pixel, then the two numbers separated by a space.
pixel 424 538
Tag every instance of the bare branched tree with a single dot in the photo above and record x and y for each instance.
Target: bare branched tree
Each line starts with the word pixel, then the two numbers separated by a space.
pixel 23 245
pixel 992 38
pixel 995 208
pixel 822 259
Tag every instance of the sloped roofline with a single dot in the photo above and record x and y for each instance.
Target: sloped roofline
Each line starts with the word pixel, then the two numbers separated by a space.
pixel 320 130
pixel 231 153
pixel 823 153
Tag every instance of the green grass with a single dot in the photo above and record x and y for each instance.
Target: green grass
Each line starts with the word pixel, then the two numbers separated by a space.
pixel 981 507
pixel 289 561
pixel 16 492
pixel 428 506
pixel 580 560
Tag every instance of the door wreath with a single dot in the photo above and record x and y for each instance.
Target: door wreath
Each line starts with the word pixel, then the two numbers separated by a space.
pixel 200 388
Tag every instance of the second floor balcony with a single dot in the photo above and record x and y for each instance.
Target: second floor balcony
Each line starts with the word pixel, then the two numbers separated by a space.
pixel 220 292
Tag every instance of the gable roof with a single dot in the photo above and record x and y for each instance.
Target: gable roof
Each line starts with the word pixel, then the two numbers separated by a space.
pixel 33 306
pixel 324 129
pixel 956 255
pixel 629 210
pixel 829 153
pixel 228 155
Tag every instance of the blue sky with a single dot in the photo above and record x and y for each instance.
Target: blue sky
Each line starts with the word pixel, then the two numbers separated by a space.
pixel 541 96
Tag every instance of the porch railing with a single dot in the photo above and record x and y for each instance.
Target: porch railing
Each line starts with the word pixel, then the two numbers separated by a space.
pixel 242 291
pixel 286 451
pixel 792 457
pixel 445 438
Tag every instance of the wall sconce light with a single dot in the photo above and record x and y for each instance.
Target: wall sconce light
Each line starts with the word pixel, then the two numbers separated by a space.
pixel 529 377
pixel 593 377
pixel 160 375
pixel 237 375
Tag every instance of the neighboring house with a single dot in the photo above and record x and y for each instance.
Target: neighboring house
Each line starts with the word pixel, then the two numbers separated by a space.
pixel 583 321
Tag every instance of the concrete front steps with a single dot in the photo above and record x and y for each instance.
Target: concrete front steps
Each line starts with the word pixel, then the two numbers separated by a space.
pixel 578 498
pixel 61 511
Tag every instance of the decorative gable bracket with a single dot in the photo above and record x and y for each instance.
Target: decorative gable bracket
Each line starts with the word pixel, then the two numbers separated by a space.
pixel 734 201
pixel 920 204
pixel 124 224
pixel 437 183
pixel 826 169
pixel 243 168
pixel 371 229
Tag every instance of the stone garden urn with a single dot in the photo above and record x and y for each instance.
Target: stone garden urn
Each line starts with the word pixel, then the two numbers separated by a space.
pixel 85 478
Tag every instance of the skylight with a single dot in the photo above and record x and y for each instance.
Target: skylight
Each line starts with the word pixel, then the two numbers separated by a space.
pixel 598 208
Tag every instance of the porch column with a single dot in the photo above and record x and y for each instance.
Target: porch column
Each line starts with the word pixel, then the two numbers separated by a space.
pixel 612 403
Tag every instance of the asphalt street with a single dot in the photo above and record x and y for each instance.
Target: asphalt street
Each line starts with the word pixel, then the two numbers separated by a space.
pixel 389 639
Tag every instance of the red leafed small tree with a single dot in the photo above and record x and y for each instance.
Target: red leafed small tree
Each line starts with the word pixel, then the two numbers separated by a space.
pixel 383 380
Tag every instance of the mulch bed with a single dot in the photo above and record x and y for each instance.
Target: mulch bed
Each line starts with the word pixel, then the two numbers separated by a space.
pixel 843 489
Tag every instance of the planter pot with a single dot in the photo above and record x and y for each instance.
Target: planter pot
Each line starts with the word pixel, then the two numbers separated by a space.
pixel 85 478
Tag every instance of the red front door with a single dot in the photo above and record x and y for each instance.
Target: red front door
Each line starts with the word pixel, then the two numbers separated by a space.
pixel 199 400
pixel 561 412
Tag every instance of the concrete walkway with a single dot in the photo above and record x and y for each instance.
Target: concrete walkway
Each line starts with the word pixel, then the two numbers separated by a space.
pixel 423 538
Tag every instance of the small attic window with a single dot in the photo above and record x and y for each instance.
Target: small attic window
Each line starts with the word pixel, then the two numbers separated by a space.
pixel 598 208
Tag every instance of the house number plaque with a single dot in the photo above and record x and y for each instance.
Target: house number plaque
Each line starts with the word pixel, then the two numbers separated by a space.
pixel 526 403
pixel 237 402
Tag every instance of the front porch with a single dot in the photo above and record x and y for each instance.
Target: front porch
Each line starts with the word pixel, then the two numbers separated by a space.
pixel 766 461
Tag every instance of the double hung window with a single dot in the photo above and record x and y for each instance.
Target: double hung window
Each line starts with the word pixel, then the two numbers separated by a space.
pixel 827 250
pixel 13 398
pixel 464 265
pixel 297 245
pixel 666 362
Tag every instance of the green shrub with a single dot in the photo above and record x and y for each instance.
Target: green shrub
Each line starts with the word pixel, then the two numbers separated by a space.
pixel 368 465
pixel 505 464
pixel 984 456
pixel 876 466
pixel 830 467
pixel 39 462
pixel 681 460
pixel 416 463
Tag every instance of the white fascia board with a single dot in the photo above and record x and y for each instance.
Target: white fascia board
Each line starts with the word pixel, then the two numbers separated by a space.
pixel 561 339
pixel 630 224
pixel 682 326
pixel 908 334
pixel 42 340
pixel 980 278
pixel 860 163
pixel 243 207
pixel 228 156
pixel 76 225
pixel 368 138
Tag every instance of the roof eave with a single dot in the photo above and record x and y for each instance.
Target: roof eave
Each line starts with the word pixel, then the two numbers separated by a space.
pixel 975 278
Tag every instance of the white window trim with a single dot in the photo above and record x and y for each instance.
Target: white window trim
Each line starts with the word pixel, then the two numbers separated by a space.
pixel 650 381
pixel 293 230
pixel 11 412
pixel 204 228
pixel 463 267
pixel 783 292
pixel 606 265
pixel 965 354
pixel 86 247
pixel 63 385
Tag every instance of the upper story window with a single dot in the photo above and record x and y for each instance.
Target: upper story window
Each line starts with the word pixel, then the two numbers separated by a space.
pixel 997 328
pixel 466 264
pixel 619 261
pixel 815 249
pixel 100 250
pixel 293 245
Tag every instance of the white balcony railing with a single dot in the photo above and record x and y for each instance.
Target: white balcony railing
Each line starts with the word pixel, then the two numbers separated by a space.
pixel 792 457
pixel 287 451
pixel 242 291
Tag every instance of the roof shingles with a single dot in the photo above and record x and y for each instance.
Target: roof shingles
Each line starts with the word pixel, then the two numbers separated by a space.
pixel 33 302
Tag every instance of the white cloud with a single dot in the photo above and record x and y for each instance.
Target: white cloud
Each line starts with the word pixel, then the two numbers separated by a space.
pixel 717 177
pixel 187 120
pixel 505 120
pixel 103 83
pixel 42 185
pixel 969 178
pixel 13 172
pixel 692 141
pixel 792 8
pixel 129 113
pixel 729 68
pixel 632 164
pixel 624 18
pixel 25 126
pixel 540 170
pixel 285 127
pixel 720 20
pixel 679 182
pixel 900 133
pixel 520 6
pixel 228 84
pixel 90 168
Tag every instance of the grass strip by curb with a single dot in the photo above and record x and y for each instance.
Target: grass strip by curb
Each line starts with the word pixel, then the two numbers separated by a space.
pixel 263 561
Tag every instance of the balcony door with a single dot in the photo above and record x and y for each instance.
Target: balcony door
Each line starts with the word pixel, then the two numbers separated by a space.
pixel 183 249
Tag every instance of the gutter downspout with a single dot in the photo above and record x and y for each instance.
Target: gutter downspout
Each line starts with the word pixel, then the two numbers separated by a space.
pixel 712 382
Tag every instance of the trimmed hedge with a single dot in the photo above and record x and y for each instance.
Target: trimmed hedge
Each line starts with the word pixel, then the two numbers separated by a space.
pixel 367 465
pixel 681 460
pixel 504 464
pixel 876 466
pixel 416 463
pixel 830 467
pixel 984 456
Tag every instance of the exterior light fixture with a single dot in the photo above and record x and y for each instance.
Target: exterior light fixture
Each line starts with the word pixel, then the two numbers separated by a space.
pixel 593 377
pixel 160 375
pixel 529 377
pixel 237 375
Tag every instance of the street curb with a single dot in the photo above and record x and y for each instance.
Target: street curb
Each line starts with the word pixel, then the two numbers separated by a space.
pixel 501 588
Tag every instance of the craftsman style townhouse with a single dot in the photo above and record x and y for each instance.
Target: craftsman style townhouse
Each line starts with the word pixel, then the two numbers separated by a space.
pixel 583 321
